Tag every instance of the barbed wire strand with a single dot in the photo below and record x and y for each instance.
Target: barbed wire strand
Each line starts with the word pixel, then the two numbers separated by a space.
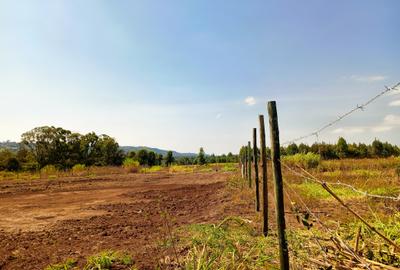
pixel 326 228
pixel 326 187
pixel 341 117
pixel 339 183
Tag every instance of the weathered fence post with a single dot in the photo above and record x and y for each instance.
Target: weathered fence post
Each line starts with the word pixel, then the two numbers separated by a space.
pixel 245 164
pixel 263 156
pixel 249 163
pixel 277 173
pixel 256 180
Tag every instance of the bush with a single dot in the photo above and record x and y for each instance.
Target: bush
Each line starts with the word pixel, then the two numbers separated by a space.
pixel 78 169
pixel 131 166
pixel 13 165
pixel 49 170
pixel 306 161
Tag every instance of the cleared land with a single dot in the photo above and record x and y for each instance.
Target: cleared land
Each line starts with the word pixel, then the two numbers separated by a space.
pixel 48 221
pixel 45 222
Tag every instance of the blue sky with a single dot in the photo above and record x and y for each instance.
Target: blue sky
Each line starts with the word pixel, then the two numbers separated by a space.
pixel 184 74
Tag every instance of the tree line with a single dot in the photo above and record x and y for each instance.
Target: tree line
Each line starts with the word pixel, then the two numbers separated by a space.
pixel 341 149
pixel 63 149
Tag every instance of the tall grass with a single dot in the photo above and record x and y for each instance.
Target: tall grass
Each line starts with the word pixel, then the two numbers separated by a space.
pixel 307 161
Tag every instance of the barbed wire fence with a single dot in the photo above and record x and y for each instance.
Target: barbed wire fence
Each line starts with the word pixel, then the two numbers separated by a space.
pixel 317 132
pixel 350 255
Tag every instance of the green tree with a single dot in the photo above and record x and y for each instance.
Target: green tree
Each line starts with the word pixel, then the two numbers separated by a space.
pixel 169 159
pixel 303 148
pixel 292 149
pixel 377 148
pixel 13 165
pixel 159 159
pixel 143 157
pixel 201 157
pixel 342 149
pixel 151 158
pixel 48 144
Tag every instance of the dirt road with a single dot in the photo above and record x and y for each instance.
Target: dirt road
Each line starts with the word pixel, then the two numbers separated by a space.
pixel 47 221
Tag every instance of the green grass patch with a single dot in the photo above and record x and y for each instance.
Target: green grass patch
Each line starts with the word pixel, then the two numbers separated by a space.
pixel 229 167
pixel 306 161
pixel 316 191
pixel 371 245
pixel 232 244
pixel 69 264
pixel 105 260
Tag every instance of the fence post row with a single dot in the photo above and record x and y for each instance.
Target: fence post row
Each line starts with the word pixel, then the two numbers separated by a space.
pixel 277 174
pixel 263 157
pixel 256 179
pixel 249 163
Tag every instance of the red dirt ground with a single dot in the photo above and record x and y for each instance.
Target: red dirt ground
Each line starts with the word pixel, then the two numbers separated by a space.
pixel 44 222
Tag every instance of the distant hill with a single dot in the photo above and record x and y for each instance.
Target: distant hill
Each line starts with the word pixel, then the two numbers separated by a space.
pixel 127 149
pixel 13 146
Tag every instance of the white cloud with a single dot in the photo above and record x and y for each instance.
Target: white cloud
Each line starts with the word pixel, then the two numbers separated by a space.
pixel 349 130
pixel 392 119
pixel 368 79
pixel 395 103
pixel 250 101
pixel 381 128
pixel 389 122
pixel 218 116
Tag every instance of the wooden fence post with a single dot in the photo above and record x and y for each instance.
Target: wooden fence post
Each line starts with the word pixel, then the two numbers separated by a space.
pixel 263 156
pixel 256 180
pixel 245 164
pixel 249 163
pixel 277 173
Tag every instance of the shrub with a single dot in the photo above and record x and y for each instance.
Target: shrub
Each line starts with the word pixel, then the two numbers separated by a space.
pixel 13 165
pixel 131 166
pixel 49 170
pixel 307 161
pixel 78 169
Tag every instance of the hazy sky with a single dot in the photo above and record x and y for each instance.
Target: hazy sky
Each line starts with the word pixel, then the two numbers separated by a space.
pixel 184 74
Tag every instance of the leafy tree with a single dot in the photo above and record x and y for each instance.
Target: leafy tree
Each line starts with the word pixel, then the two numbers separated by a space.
pixel 231 158
pixel 303 148
pixel 169 159
pixel 13 165
pixel 151 158
pixel 5 156
pixel 212 159
pixel 48 144
pixel 201 157
pixel 143 157
pixel 377 148
pixel 159 159
pixel 292 149
pixel 132 155
pixel 64 149
pixel 342 149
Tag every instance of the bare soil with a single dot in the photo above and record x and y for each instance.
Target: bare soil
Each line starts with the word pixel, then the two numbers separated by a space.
pixel 48 221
